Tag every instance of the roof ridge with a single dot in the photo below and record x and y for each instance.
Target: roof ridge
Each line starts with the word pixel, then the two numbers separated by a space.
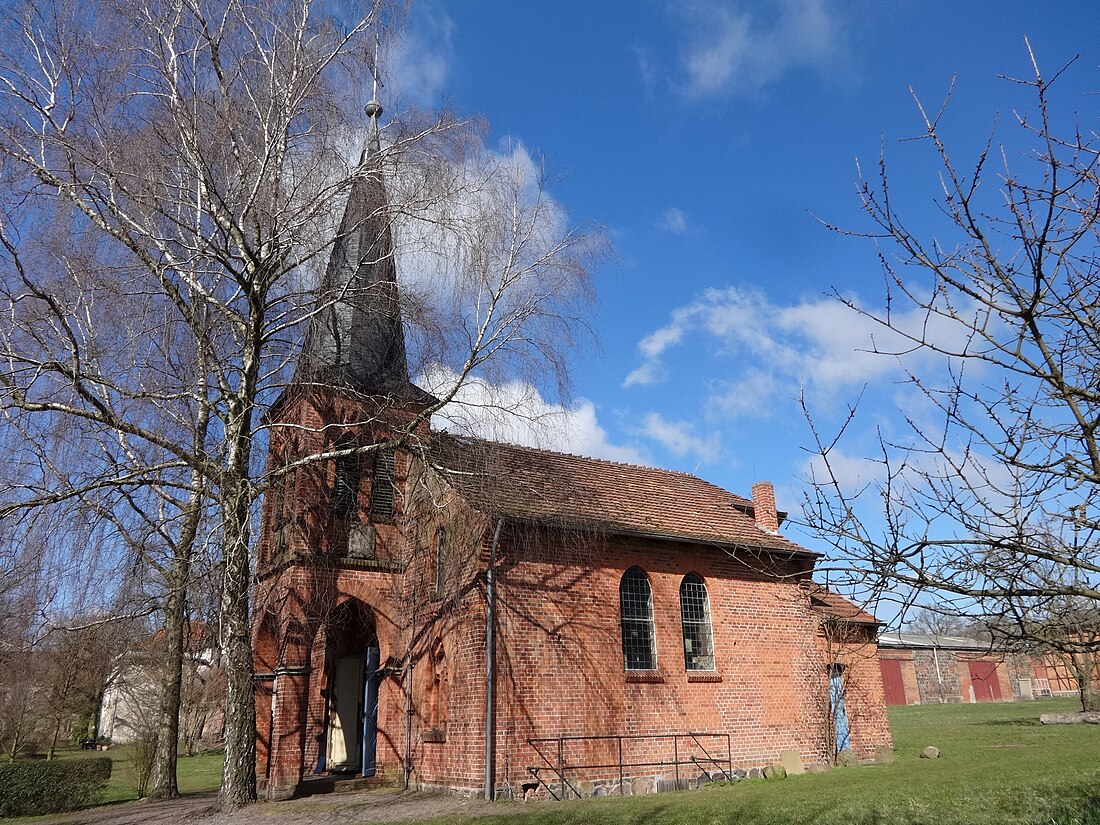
pixel 598 460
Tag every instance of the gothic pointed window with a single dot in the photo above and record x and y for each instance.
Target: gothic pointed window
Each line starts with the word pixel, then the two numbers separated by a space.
pixel 440 561
pixel 695 619
pixel 285 490
pixel 636 611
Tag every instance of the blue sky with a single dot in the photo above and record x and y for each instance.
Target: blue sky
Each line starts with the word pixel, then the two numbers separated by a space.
pixel 704 136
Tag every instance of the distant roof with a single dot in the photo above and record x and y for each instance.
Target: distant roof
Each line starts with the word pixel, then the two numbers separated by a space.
pixel 928 640
pixel 832 604
pixel 503 480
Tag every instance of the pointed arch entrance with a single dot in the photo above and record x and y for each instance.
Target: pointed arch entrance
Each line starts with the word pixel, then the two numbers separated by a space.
pixel 352 673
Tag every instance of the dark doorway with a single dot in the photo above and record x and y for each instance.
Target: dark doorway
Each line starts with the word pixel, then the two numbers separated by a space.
pixel 351 735
pixel 838 709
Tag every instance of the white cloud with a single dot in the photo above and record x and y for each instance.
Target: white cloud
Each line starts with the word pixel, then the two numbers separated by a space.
pixel 850 472
pixel 770 352
pixel 674 220
pixel 517 413
pixel 650 372
pixel 653 345
pixel 456 209
pixel 734 48
pixel 418 61
pixel 681 438
pixel 752 394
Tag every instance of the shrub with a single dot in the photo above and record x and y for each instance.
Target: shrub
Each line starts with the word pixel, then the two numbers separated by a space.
pixel 143 752
pixel 30 788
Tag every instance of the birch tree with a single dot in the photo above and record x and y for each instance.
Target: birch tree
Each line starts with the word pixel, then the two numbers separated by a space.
pixel 196 154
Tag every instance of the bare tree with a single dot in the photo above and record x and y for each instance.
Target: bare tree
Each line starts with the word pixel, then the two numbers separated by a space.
pixel 188 156
pixel 989 496
pixel 937 622
pixel 1061 632
pixel 77 665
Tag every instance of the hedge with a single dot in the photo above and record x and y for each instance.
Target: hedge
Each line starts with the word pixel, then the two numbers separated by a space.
pixel 32 787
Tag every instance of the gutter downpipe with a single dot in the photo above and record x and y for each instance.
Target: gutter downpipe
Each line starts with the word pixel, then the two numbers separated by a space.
pixel 490 660
pixel 939 674
pixel 408 718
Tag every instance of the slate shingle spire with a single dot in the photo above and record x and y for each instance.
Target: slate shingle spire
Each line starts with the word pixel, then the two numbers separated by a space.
pixel 356 339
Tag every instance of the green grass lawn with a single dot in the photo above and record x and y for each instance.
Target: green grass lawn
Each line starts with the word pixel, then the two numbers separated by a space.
pixel 202 772
pixel 998 765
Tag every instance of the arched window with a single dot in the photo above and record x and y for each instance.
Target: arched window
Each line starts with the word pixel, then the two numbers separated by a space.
pixel 695 618
pixel 440 561
pixel 636 609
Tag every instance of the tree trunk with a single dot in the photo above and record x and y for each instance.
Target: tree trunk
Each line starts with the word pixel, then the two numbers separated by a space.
pixel 1083 668
pixel 239 774
pixel 164 756
pixel 175 615
pixel 53 739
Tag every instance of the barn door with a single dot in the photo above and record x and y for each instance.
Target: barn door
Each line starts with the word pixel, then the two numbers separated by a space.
pixel 983 677
pixel 892 683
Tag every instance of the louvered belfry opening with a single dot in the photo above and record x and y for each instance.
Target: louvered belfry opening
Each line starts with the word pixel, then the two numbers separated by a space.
pixel 382 490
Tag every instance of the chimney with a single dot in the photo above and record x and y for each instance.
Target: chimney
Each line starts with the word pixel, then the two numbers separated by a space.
pixel 763 505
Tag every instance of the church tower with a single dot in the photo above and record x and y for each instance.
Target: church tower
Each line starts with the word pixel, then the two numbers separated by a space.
pixel 331 549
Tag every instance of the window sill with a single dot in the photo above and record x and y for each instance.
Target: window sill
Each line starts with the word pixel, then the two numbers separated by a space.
pixel 644 676
pixel 704 676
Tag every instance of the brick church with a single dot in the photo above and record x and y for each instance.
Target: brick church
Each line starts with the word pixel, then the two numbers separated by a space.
pixel 453 613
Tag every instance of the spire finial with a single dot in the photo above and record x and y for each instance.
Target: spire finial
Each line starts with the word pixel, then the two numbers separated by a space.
pixel 373 110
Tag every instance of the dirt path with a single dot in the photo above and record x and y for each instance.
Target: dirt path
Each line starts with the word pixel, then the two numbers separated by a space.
pixel 333 809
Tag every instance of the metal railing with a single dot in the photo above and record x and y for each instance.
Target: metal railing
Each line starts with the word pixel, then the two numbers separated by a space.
pixel 699 757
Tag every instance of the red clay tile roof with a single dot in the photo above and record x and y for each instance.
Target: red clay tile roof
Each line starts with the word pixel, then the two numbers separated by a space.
pixel 547 487
pixel 830 604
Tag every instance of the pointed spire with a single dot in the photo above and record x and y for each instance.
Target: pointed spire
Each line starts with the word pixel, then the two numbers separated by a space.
pixel 356 339
pixel 373 147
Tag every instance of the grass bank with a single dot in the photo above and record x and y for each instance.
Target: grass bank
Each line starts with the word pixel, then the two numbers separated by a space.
pixel 998 766
pixel 202 772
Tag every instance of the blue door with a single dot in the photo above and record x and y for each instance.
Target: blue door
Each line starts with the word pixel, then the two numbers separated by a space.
pixel 369 735
pixel 837 709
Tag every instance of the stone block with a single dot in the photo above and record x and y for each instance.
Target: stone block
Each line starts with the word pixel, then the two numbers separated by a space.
pixel 931 752
pixel 1087 718
pixel 775 771
pixel 792 762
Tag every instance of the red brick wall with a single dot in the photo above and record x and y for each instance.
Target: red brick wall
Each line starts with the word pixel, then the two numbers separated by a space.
pixel 560 664
pixel 560 669
pixel 562 672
